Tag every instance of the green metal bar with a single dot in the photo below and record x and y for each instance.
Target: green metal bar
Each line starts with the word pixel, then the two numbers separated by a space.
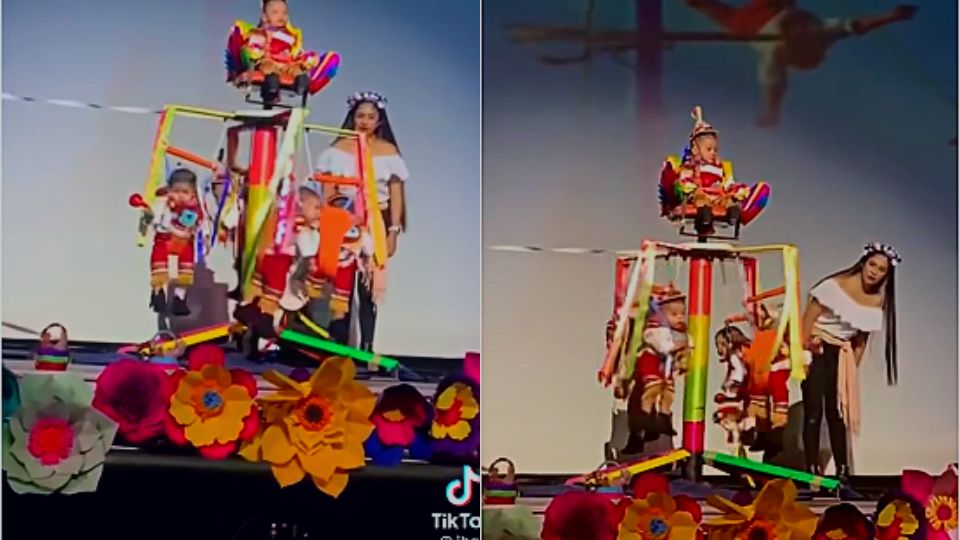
pixel 337 349
pixel 720 460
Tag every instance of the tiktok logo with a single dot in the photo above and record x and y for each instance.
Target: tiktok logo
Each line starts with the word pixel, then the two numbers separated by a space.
pixel 464 486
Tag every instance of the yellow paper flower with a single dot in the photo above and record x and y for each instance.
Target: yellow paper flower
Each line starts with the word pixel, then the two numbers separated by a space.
pixel 209 407
pixel 656 518
pixel 941 512
pixel 315 428
pixel 455 407
pixel 774 515
pixel 897 513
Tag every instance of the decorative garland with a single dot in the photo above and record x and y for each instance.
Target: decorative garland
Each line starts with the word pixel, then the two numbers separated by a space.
pixel 323 424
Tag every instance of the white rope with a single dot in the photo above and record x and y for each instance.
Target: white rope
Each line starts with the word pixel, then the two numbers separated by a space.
pixel 74 104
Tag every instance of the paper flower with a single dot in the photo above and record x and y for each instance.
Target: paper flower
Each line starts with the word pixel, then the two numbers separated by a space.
pixel 315 428
pixel 399 418
pixel 843 522
pixel 55 442
pixel 515 522
pixel 656 517
pixel 455 429
pixel 131 393
pixel 11 393
pixel 938 496
pixel 580 515
pixel 773 514
pixel 899 517
pixel 211 407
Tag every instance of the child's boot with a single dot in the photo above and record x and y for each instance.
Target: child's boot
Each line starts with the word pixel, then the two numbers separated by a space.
pixel 178 306
pixel 158 300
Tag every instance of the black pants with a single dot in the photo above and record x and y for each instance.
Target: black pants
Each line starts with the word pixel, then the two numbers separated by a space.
pixel 367 314
pixel 819 400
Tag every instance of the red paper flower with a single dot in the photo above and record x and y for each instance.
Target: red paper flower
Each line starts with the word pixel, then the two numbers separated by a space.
pixel 580 515
pixel 938 496
pixel 843 522
pixel 50 440
pixel 209 406
pixel 130 393
pixel 401 411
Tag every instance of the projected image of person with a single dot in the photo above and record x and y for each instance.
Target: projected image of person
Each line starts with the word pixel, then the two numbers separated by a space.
pixel 801 39
pixel 367 114
pixel 843 310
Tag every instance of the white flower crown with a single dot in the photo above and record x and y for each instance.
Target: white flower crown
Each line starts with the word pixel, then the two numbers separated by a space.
pixel 877 247
pixel 369 96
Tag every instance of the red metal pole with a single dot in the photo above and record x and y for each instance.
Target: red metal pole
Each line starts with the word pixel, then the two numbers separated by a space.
pixel 263 154
pixel 695 387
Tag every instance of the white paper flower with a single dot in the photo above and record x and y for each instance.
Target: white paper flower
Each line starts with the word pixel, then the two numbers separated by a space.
pixel 56 443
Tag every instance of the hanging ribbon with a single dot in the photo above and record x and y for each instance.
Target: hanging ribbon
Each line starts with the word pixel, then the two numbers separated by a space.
pixel 647 263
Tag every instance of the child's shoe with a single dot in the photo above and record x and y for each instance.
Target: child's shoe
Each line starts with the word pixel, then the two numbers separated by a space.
pixel 179 307
pixel 158 301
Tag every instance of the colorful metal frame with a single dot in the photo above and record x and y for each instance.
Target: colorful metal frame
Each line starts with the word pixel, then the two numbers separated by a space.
pixel 700 257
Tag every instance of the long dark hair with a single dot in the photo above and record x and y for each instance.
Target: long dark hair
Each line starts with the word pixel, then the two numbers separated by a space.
pixel 889 308
pixel 383 129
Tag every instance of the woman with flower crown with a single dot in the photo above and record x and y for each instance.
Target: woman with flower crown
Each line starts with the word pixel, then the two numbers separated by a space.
pixel 843 311
pixel 367 114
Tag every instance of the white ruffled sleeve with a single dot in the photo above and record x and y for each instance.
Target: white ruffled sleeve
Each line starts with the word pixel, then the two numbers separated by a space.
pixel 389 167
pixel 831 296
pixel 336 162
pixel 660 339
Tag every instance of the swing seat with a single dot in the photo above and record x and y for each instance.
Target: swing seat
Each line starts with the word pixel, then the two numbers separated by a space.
pixel 253 82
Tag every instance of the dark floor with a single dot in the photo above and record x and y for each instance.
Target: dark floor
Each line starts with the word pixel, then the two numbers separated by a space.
pixel 184 497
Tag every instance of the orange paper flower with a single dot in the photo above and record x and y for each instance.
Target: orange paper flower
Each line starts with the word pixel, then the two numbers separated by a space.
pixel 210 406
pixel 774 515
pixel 656 518
pixel 316 427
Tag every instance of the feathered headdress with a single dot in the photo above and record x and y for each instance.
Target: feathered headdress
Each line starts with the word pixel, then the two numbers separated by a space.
pixel 378 100
pixel 700 127
pixel 876 247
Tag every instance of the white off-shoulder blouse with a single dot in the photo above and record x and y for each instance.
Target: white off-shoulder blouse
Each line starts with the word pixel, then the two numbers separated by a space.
pixel 341 163
pixel 842 317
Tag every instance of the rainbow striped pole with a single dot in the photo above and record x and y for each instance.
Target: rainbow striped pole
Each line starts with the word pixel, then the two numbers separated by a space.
pixel 695 388
pixel 263 150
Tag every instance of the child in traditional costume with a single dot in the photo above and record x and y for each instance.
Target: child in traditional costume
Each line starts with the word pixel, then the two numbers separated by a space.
pixel 275 48
pixel 176 217
pixel 731 344
pixel 768 391
pixel 663 354
pixel 702 181
pixel 343 249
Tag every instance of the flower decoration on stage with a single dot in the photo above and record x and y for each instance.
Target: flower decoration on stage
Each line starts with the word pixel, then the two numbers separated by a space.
pixel 516 522
pixel 209 406
pixel 884 249
pixel 938 496
pixel 131 393
pixel 455 429
pixel 657 517
pixel 378 100
pixel 774 514
pixel 843 522
pixel 315 428
pixel 11 393
pixel 577 515
pixel 399 419
pixel 899 517
pixel 56 442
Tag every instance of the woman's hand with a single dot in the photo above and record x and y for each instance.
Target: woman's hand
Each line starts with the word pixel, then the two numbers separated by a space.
pixel 391 243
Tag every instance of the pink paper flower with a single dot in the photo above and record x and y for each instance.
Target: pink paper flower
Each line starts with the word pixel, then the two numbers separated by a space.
pixel 130 393
pixel 938 496
pixel 580 515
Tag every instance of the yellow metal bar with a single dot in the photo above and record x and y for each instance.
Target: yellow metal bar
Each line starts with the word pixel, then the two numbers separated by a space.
pixel 375 225
pixel 643 466
pixel 201 112
pixel 332 130
pixel 155 176
pixel 196 338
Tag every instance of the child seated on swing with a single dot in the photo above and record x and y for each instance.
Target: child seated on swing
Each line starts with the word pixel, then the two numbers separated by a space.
pixel 176 217
pixel 663 354
pixel 274 48
pixel 731 344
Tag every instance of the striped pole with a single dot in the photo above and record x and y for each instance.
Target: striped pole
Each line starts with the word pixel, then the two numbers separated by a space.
pixel 695 389
pixel 263 150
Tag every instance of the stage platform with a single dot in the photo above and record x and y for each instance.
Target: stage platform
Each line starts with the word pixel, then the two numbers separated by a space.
pixel 538 490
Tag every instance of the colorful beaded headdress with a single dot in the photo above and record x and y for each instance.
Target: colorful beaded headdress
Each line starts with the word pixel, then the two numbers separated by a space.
pixel 700 127
pixel 376 98
pixel 876 247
